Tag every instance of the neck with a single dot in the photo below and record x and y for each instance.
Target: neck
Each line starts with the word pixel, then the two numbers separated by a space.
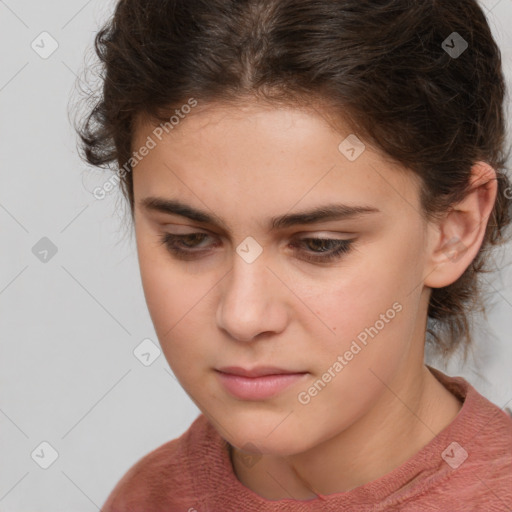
pixel 409 413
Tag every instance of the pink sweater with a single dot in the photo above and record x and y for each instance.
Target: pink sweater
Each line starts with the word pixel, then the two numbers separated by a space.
pixel 193 473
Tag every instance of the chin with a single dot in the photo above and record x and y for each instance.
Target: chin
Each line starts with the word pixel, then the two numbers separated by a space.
pixel 258 438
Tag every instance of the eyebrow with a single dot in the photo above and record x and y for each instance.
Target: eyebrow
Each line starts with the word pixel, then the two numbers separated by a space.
pixel 318 214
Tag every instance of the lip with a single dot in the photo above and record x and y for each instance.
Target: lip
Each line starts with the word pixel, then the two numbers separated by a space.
pixel 258 371
pixel 265 385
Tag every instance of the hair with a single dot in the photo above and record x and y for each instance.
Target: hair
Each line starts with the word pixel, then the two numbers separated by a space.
pixel 379 65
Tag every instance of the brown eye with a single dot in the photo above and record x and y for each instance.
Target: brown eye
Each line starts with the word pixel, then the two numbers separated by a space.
pixel 321 252
pixel 183 246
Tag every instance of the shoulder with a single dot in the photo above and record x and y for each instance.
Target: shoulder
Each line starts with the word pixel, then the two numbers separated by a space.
pixel 477 453
pixel 151 483
pixel 480 466
pixel 489 457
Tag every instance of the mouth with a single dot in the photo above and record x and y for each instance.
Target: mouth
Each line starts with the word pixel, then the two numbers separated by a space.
pixel 258 383
pixel 257 371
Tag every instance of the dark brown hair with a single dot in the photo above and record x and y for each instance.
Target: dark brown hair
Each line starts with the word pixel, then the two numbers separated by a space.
pixel 381 65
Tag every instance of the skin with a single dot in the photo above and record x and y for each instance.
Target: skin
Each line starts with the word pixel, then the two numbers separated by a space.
pixel 246 163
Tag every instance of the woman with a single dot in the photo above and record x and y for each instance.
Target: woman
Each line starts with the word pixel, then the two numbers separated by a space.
pixel 314 188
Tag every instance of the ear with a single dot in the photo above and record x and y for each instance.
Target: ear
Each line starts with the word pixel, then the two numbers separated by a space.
pixel 455 240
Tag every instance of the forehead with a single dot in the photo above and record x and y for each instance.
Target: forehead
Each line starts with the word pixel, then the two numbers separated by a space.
pixel 261 156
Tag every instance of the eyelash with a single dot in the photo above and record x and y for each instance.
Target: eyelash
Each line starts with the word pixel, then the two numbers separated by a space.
pixel 343 247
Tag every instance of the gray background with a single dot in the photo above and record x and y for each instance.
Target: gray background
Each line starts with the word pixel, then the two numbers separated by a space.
pixel 69 326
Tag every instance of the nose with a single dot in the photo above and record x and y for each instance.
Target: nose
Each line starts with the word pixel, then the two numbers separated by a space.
pixel 252 301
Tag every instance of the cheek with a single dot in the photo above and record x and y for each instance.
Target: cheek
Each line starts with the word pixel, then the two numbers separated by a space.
pixel 365 313
pixel 177 302
pixel 350 301
pixel 372 326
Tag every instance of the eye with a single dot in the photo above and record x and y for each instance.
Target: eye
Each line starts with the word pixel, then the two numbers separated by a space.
pixel 188 242
pixel 184 247
pixel 338 247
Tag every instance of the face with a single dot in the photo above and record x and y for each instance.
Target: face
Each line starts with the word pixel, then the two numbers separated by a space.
pixel 338 300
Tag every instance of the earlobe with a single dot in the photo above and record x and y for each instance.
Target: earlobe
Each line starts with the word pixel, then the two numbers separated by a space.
pixel 459 235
